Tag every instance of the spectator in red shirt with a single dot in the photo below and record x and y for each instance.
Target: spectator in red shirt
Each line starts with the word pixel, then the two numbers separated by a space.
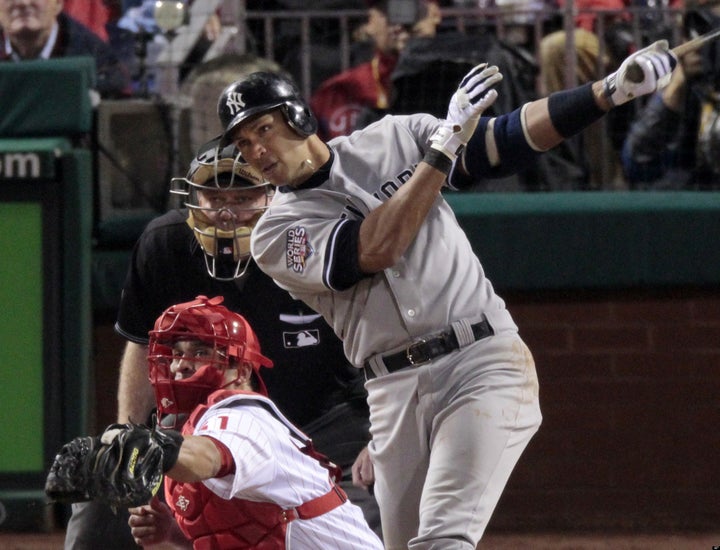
pixel 91 13
pixel 341 100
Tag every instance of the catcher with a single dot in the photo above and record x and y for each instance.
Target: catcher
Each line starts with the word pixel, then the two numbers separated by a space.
pixel 239 475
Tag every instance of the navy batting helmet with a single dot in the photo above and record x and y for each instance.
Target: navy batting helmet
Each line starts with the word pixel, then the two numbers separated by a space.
pixel 260 92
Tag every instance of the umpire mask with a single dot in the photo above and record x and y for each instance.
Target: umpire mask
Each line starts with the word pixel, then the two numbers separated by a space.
pixel 225 198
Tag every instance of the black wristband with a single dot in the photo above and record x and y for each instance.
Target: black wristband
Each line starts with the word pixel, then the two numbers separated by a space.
pixel 573 110
pixel 438 160
pixel 170 441
pixel 610 87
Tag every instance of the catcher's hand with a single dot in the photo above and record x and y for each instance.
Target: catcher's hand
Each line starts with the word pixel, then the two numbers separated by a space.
pixel 123 467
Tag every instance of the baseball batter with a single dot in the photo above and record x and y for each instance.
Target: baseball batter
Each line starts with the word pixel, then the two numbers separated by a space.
pixel 359 230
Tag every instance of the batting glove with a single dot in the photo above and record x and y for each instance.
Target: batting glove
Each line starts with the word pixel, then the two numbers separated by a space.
pixel 475 95
pixel 642 73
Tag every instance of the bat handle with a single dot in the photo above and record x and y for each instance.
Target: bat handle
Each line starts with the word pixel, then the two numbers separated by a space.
pixel 635 74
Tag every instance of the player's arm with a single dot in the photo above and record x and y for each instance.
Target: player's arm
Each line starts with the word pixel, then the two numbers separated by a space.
pixel 201 457
pixel 135 394
pixel 502 144
pixel 124 466
pixel 387 231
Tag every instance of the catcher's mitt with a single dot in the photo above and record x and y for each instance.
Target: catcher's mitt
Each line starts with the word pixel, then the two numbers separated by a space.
pixel 123 467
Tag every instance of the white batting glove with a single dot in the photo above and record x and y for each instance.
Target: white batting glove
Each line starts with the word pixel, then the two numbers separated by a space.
pixel 641 73
pixel 474 95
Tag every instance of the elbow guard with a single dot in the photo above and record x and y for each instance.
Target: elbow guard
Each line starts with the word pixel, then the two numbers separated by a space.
pixel 499 147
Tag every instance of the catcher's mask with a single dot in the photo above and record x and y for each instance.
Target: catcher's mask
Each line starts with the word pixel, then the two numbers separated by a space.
pixel 216 176
pixel 204 320
pixel 260 92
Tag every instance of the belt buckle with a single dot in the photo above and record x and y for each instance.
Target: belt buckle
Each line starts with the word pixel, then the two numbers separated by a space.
pixel 410 354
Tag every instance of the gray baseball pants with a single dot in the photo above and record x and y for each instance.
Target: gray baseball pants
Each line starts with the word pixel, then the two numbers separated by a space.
pixel 445 438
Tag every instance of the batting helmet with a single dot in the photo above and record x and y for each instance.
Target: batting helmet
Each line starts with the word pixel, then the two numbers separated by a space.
pixel 206 321
pixel 260 92
pixel 221 169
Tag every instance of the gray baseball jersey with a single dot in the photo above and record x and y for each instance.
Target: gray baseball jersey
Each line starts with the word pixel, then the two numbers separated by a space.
pixel 438 281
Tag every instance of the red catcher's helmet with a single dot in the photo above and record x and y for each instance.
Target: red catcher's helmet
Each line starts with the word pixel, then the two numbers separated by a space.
pixel 205 320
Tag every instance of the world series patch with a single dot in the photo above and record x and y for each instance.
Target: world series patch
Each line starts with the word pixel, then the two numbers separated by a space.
pixel 298 249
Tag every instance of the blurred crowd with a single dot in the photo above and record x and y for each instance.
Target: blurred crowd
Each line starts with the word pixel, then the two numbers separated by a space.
pixel 402 56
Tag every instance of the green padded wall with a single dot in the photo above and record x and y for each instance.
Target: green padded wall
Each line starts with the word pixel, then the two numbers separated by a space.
pixel 21 360
pixel 46 325
pixel 48 97
pixel 593 239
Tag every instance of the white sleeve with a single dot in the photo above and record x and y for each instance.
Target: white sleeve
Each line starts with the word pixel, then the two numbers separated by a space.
pixel 250 447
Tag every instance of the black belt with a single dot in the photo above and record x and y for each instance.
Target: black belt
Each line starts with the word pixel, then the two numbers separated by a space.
pixel 426 349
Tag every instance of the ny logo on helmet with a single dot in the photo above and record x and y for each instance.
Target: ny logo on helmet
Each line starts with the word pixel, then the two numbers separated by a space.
pixel 235 102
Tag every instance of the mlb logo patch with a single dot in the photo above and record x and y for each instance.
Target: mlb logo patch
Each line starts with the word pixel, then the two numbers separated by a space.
pixel 301 339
